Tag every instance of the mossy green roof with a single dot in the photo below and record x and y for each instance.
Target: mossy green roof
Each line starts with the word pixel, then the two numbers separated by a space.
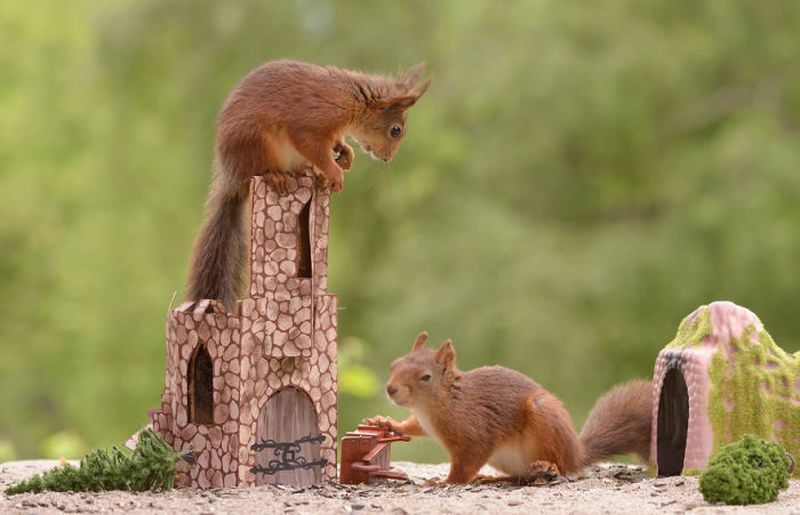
pixel 693 329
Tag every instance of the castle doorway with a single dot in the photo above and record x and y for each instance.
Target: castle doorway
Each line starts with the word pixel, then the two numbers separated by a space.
pixel 673 423
pixel 288 441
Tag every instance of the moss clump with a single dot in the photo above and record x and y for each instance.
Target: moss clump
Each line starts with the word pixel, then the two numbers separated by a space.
pixel 693 329
pixel 750 471
pixel 151 466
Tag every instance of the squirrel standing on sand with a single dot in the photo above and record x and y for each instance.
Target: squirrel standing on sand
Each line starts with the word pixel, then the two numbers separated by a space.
pixel 498 416
pixel 282 118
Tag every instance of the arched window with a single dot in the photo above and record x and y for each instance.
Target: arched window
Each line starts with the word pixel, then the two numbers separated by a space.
pixel 304 241
pixel 201 387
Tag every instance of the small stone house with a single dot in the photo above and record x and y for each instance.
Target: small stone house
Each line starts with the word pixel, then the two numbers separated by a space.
pixel 254 392
pixel 720 378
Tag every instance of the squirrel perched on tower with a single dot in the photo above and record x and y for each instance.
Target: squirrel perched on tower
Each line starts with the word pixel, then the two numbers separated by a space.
pixel 285 117
pixel 498 416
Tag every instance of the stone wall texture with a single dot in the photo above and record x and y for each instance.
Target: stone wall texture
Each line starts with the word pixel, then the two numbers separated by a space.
pixel 282 335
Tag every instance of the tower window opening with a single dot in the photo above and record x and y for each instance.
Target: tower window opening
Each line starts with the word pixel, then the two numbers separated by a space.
pixel 304 241
pixel 201 387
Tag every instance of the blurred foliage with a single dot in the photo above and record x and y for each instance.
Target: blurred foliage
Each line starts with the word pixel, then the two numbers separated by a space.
pixel 64 444
pixel 355 377
pixel 579 178
pixel 7 451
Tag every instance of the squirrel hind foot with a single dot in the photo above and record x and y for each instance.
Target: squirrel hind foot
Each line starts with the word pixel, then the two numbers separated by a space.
pixel 489 480
pixel 539 472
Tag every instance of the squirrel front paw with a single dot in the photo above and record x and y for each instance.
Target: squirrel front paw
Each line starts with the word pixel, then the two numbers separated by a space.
pixel 345 157
pixel 277 182
pixel 336 183
pixel 387 422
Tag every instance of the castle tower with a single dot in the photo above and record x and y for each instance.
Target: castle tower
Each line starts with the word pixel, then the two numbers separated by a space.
pixel 254 392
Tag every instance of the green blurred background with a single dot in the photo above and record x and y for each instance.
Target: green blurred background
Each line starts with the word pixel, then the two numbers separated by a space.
pixel 580 177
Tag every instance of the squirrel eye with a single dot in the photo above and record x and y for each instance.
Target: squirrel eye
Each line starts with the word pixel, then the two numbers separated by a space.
pixel 395 131
pixel 426 377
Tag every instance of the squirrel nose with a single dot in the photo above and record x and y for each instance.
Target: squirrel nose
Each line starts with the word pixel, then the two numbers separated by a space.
pixel 391 390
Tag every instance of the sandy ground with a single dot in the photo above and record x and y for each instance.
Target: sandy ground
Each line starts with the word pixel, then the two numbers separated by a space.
pixel 607 488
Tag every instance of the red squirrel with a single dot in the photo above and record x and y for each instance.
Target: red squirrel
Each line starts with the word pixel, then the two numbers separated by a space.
pixel 285 117
pixel 499 416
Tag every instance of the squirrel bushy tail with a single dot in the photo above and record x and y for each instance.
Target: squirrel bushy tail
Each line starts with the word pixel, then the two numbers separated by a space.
pixel 220 254
pixel 619 423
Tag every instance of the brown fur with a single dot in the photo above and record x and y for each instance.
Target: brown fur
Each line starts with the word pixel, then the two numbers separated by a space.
pixel 499 416
pixel 619 423
pixel 282 118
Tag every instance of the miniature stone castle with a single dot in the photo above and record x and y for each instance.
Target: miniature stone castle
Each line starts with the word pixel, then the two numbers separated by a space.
pixel 253 392
pixel 722 377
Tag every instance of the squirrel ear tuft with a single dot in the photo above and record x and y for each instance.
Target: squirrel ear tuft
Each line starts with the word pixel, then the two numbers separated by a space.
pixel 446 354
pixel 403 102
pixel 412 75
pixel 420 341
pixel 419 89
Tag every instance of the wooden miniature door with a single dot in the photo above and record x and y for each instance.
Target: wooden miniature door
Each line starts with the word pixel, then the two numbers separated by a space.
pixel 288 441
